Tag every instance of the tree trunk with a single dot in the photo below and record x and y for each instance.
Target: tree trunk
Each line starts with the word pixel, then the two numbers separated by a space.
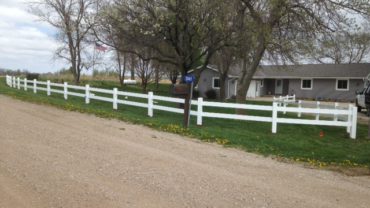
pixel 121 80
pixel 157 78
pixel 223 78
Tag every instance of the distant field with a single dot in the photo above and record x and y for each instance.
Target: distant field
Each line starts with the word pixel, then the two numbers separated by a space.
pixel 294 142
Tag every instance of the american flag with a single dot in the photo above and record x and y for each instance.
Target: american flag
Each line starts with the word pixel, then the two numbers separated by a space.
pixel 100 47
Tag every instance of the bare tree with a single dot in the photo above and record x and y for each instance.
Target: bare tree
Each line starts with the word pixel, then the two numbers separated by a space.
pixel 341 47
pixel 184 33
pixel 73 20
pixel 145 72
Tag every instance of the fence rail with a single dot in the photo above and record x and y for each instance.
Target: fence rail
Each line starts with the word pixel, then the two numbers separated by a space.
pixel 151 103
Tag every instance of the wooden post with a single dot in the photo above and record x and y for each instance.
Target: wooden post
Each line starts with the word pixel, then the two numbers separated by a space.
pixel 150 104
pixel 25 84
pixel 48 88
pixel 65 90
pixel 299 107
pixel 354 123
pixel 87 94
pixel 14 82
pixel 274 117
pixel 187 107
pixel 34 86
pixel 115 98
pixel 200 111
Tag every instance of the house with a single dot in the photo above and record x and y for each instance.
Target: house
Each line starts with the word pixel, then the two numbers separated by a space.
pixel 337 82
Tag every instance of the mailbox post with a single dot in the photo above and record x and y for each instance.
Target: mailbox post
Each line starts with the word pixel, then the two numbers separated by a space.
pixel 185 91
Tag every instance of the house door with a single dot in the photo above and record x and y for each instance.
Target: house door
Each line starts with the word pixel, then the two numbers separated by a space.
pixel 232 87
pixel 252 89
pixel 278 87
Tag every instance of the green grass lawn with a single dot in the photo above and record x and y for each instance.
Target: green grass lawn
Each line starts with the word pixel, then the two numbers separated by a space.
pixel 295 142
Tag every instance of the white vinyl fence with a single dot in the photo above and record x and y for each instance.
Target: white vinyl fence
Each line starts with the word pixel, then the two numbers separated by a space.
pixel 348 117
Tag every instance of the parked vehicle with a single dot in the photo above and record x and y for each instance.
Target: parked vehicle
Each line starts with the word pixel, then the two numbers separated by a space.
pixel 367 100
pixel 363 97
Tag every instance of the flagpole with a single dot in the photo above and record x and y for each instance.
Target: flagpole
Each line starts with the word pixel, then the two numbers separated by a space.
pixel 93 66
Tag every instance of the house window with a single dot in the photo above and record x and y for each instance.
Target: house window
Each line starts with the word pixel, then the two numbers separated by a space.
pixel 306 84
pixel 261 83
pixel 342 84
pixel 216 83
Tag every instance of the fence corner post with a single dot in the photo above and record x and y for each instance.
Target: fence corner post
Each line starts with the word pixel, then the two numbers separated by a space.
pixel 200 111
pixel 25 84
pixel 274 117
pixel 354 123
pixel 34 86
pixel 48 88
pixel 115 98
pixel 87 94
pixel 150 104
pixel 65 90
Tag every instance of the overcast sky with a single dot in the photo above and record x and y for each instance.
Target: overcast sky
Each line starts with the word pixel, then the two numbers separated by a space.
pixel 25 43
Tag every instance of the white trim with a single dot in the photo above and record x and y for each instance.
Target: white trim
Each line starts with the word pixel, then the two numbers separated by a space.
pixel 236 87
pixel 213 82
pixel 302 88
pixel 336 85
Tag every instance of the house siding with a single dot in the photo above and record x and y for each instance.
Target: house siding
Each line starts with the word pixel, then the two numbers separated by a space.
pixel 325 89
pixel 205 83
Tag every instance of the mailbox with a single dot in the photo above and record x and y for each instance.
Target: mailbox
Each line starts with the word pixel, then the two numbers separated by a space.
pixel 180 89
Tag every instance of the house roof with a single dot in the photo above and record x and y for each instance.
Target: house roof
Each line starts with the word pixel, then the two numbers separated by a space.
pixel 359 71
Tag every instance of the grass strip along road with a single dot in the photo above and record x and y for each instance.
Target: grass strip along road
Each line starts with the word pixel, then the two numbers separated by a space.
pixel 300 143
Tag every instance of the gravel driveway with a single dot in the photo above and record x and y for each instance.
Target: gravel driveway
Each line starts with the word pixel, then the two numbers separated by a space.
pixel 55 158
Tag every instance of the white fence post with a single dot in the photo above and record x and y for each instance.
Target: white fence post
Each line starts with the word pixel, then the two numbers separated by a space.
pixel 318 113
pixel 87 94
pixel 25 84
pixel 115 98
pixel 285 104
pixel 150 104
pixel 299 107
pixel 336 105
pixel 18 83
pixel 65 90
pixel 34 86
pixel 354 123
pixel 48 88
pixel 200 111
pixel 274 117
pixel 14 82
pixel 280 99
pixel 349 120
pixel 8 80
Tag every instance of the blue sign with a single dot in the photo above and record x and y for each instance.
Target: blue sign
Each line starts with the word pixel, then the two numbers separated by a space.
pixel 189 79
